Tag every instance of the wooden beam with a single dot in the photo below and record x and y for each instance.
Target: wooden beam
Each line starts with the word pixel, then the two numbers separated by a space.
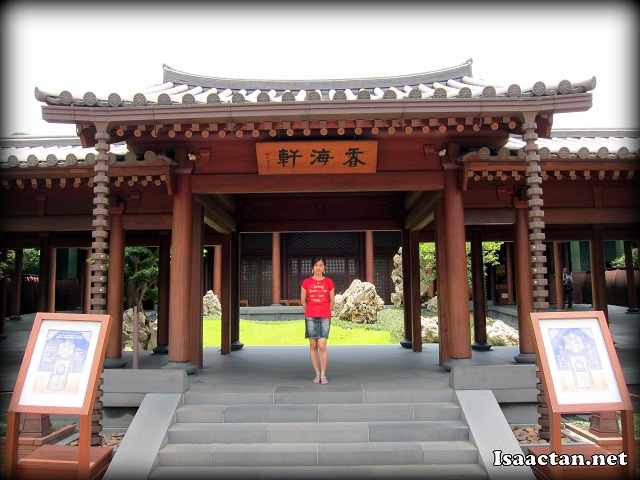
pixel 578 216
pixel 423 212
pixel 489 216
pixel 320 225
pixel 215 215
pixel 377 182
pixel 81 223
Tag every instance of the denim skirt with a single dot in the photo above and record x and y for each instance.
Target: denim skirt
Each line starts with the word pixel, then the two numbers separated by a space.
pixel 316 327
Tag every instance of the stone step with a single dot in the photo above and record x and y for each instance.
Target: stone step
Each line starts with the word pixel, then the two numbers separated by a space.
pixel 269 413
pixel 387 472
pixel 327 432
pixel 318 454
pixel 314 394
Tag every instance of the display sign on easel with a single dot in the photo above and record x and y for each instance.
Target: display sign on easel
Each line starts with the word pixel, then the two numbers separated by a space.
pixel 581 373
pixel 60 374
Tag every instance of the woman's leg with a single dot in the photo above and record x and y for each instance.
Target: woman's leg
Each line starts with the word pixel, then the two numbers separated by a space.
pixel 324 355
pixel 313 350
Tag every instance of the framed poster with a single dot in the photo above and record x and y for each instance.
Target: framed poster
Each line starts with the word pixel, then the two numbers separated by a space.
pixel 62 364
pixel 578 362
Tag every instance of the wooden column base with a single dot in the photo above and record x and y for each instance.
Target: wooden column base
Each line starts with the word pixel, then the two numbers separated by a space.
pixel 60 462
pixel 543 472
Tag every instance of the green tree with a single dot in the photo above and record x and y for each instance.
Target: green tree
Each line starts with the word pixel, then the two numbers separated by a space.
pixel 30 262
pixel 427 253
pixel 620 262
pixel 140 274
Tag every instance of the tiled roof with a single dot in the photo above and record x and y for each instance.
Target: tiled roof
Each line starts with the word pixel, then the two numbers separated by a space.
pixel 181 88
pixel 64 152
pixel 585 146
pixel 27 152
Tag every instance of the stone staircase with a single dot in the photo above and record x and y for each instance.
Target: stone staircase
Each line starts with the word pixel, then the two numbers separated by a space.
pixel 332 431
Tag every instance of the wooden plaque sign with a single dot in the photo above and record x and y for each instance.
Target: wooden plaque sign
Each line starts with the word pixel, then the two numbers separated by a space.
pixel 343 156
pixel 581 373
pixel 60 374
pixel 579 362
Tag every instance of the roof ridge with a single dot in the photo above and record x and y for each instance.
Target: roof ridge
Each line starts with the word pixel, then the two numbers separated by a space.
pixel 457 71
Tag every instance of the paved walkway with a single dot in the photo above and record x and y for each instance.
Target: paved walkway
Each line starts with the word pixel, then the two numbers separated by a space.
pixel 374 366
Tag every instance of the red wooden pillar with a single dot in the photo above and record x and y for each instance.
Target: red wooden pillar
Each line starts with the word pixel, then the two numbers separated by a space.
pixel 42 301
pixel 632 298
pixel 491 270
pixel 86 282
pixel 524 286
pixel 368 249
pixel 441 270
pixel 479 293
pixel 181 244
pixel 235 292
pixel 197 269
pixel 225 296
pixel 406 290
pixel 3 295
pixel 509 269
pixel 17 286
pixel 217 270
pixel 456 258
pixel 276 277
pixel 115 287
pixel 414 254
pixel 51 295
pixel 598 279
pixel 164 292
pixel 557 266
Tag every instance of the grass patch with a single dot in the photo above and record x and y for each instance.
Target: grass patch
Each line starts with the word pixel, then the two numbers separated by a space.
pixel 584 425
pixel 387 330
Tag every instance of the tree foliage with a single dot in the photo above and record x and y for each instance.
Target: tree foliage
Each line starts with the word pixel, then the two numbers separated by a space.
pixel 30 262
pixel 427 253
pixel 140 275
pixel 620 262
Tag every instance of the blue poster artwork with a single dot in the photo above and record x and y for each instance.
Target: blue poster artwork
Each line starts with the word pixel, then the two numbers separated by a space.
pixel 63 359
pixel 577 359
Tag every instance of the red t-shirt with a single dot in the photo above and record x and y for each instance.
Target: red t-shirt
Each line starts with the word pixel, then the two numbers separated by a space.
pixel 318 297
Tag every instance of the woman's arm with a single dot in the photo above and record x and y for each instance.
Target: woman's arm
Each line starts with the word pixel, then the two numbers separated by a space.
pixel 303 298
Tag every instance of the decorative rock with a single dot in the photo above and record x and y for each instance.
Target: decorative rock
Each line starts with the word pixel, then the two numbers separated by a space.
pixel 501 334
pixel 432 305
pixel 147 331
pixel 211 305
pixel 529 435
pixel 359 303
pixel 397 297
pixel 430 333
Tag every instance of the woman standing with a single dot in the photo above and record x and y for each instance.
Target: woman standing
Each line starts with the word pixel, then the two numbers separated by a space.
pixel 316 297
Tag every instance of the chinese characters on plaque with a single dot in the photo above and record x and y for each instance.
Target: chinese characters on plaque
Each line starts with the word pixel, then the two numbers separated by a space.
pixel 285 158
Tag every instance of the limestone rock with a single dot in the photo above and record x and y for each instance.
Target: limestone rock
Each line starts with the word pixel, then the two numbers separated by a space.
pixel 211 306
pixel 430 333
pixel 432 305
pixel 147 331
pixel 501 334
pixel 358 304
pixel 397 297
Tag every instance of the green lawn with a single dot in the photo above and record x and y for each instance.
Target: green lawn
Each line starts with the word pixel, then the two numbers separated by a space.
pixel 387 330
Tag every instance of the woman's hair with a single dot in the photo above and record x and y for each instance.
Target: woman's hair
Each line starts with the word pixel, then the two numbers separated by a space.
pixel 317 258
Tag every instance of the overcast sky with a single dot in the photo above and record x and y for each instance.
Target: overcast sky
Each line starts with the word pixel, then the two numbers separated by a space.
pixel 121 47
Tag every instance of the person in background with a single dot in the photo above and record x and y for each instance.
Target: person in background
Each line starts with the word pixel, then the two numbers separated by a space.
pixel 567 283
pixel 317 298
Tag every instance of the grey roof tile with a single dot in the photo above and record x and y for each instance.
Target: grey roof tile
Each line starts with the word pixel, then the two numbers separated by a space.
pixel 186 88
